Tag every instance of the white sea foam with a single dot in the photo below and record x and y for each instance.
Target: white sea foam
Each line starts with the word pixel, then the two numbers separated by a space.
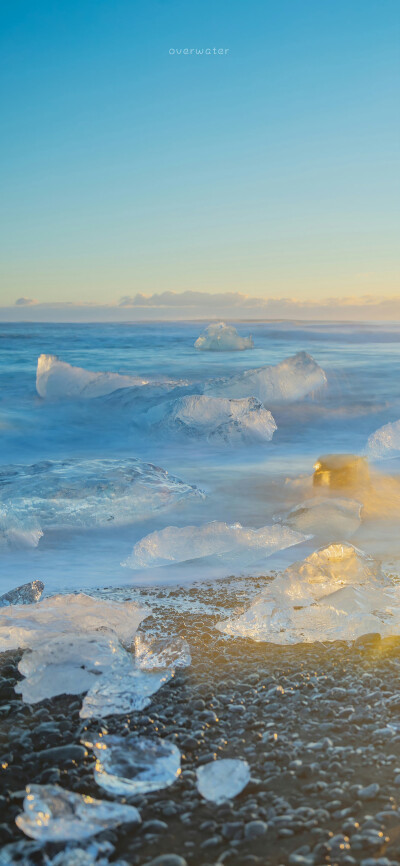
pixel 222 338
pixel 292 379
pixel 216 419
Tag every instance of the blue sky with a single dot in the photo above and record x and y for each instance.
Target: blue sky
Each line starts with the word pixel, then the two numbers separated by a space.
pixel 271 170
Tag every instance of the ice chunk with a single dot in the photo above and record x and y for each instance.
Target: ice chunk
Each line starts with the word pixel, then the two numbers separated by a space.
pixel 340 471
pixel 222 338
pixel 161 653
pixel 216 419
pixel 222 780
pixel 17 533
pixel 88 493
pixel 181 544
pixel 131 765
pixel 25 594
pixel 292 379
pixel 327 518
pixel 56 379
pixel 123 691
pixel 28 625
pixel 385 442
pixel 54 814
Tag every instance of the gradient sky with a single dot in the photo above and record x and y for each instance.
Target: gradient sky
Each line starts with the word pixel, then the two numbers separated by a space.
pixel 270 170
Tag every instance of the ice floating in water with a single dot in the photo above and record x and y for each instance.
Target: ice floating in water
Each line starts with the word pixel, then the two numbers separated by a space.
pixel 222 780
pixel 290 380
pixel 181 544
pixel 130 765
pixel 29 625
pixel 161 653
pixel 337 593
pixel 124 690
pixel 25 594
pixel 88 493
pixel 56 379
pixel 217 419
pixel 53 814
pixel 17 533
pixel 327 518
pixel 222 338
pixel 385 442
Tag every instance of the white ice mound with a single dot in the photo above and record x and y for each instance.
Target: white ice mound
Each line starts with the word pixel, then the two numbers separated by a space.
pixel 53 814
pixel 56 379
pixel 88 493
pixel 327 518
pixel 29 625
pixel 385 442
pixel 240 545
pixel 222 338
pixel 217 419
pixel 292 379
pixel 131 765
pixel 25 594
pixel 337 593
pixel 222 780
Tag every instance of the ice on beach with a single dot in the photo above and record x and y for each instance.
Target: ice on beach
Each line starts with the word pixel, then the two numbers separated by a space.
pixel 237 543
pixel 131 765
pixel 385 442
pixel 56 379
pixel 337 593
pixel 217 419
pixel 28 593
pixel 292 379
pixel 222 338
pixel 88 493
pixel 124 690
pixel 328 518
pixel 161 653
pixel 17 533
pixel 53 814
pixel 222 780
pixel 29 625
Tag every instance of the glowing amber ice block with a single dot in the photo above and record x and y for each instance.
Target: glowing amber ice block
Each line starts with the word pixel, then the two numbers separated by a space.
pixel 340 470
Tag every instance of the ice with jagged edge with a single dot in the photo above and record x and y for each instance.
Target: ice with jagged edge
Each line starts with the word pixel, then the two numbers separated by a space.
pixel 126 766
pixel 328 518
pixel 94 853
pixel 88 493
pixel 292 379
pixel 234 544
pixel 25 594
pixel 17 532
pixel 223 779
pixel 385 442
pixel 222 338
pixel 215 419
pixel 336 593
pixel 161 653
pixel 53 814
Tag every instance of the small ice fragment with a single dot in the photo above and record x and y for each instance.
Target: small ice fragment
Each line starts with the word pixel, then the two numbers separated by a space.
pixel 222 338
pixel 222 780
pixel 385 442
pixel 216 419
pixel 56 379
pixel 25 594
pixel 131 765
pixel 161 653
pixel 54 814
pixel 122 691
pixel 327 518
pixel 180 544
pixel 292 379
pixel 74 855
pixel 18 531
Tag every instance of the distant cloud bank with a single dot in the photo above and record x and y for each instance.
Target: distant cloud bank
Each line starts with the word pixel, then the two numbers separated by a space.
pixel 180 306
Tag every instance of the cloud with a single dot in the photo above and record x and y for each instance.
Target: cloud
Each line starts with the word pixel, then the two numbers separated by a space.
pixel 182 299
pixel 25 302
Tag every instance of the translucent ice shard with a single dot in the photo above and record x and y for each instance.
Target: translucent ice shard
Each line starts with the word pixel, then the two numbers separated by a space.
pixel 161 653
pixel 56 379
pixel 385 442
pixel 235 542
pixel 290 380
pixel 222 338
pixel 18 532
pixel 222 780
pixel 28 593
pixel 88 493
pixel 54 814
pixel 28 625
pixel 327 518
pixel 123 691
pixel 135 765
pixel 216 419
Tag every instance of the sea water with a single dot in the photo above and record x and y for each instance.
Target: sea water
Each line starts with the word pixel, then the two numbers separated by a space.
pixel 247 485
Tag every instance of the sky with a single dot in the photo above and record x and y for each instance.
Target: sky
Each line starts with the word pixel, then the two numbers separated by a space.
pixel 135 177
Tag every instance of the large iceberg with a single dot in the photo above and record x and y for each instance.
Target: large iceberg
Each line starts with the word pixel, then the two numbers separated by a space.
pixel 385 442
pixel 222 338
pixel 337 593
pixel 292 379
pixel 88 493
pixel 131 765
pixel 53 814
pixel 56 379
pixel 327 518
pixel 216 419
pixel 238 545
